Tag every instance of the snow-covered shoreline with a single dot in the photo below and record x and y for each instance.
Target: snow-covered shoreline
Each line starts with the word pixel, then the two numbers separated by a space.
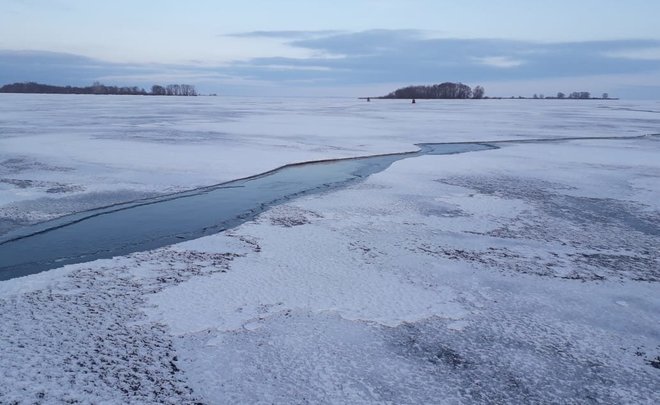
pixel 524 274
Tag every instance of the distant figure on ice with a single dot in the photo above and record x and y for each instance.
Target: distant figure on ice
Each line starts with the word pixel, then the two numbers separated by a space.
pixel 414 101
pixel 368 99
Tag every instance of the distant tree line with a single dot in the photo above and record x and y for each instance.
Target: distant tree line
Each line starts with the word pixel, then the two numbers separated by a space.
pixel 98 88
pixel 576 95
pixel 445 90
pixel 173 90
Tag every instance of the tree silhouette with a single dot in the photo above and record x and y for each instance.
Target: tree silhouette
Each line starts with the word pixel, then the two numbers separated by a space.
pixel 99 88
pixel 478 92
pixel 445 90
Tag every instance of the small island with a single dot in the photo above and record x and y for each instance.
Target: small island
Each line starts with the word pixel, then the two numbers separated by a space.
pixel 458 91
pixel 446 90
pixel 99 88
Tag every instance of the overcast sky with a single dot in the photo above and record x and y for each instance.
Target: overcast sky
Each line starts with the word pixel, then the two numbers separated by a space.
pixel 338 47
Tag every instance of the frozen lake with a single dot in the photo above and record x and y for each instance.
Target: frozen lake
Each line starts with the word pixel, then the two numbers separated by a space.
pixel 62 154
pixel 528 273
pixel 152 223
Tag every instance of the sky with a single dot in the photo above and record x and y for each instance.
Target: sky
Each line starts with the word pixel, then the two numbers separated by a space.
pixel 338 47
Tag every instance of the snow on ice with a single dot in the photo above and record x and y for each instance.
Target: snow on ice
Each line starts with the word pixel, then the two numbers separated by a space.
pixel 525 274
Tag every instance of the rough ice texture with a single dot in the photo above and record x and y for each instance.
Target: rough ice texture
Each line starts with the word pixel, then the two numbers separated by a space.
pixel 527 274
pixel 586 331
pixel 66 153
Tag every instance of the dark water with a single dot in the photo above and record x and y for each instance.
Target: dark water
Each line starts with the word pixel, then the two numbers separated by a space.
pixel 149 224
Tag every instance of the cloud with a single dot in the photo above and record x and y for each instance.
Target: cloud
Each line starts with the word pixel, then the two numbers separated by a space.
pixel 53 67
pixel 382 56
pixel 69 69
pixel 340 59
pixel 499 61
pixel 294 67
pixel 283 34
pixel 636 53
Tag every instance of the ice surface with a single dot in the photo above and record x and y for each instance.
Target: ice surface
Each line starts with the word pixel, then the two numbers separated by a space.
pixel 540 323
pixel 527 274
pixel 287 276
pixel 66 153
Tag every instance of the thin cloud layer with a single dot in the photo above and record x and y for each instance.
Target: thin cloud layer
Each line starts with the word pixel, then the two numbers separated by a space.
pixel 60 68
pixel 394 56
pixel 345 59
pixel 286 34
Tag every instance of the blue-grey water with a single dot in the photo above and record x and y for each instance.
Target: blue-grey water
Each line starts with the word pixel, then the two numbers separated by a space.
pixel 149 224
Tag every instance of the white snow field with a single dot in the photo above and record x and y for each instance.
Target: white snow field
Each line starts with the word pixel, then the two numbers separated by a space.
pixel 525 274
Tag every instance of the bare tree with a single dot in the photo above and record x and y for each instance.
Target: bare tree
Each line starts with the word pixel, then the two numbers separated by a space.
pixel 478 92
pixel 157 90
pixel 188 90
pixel 580 95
